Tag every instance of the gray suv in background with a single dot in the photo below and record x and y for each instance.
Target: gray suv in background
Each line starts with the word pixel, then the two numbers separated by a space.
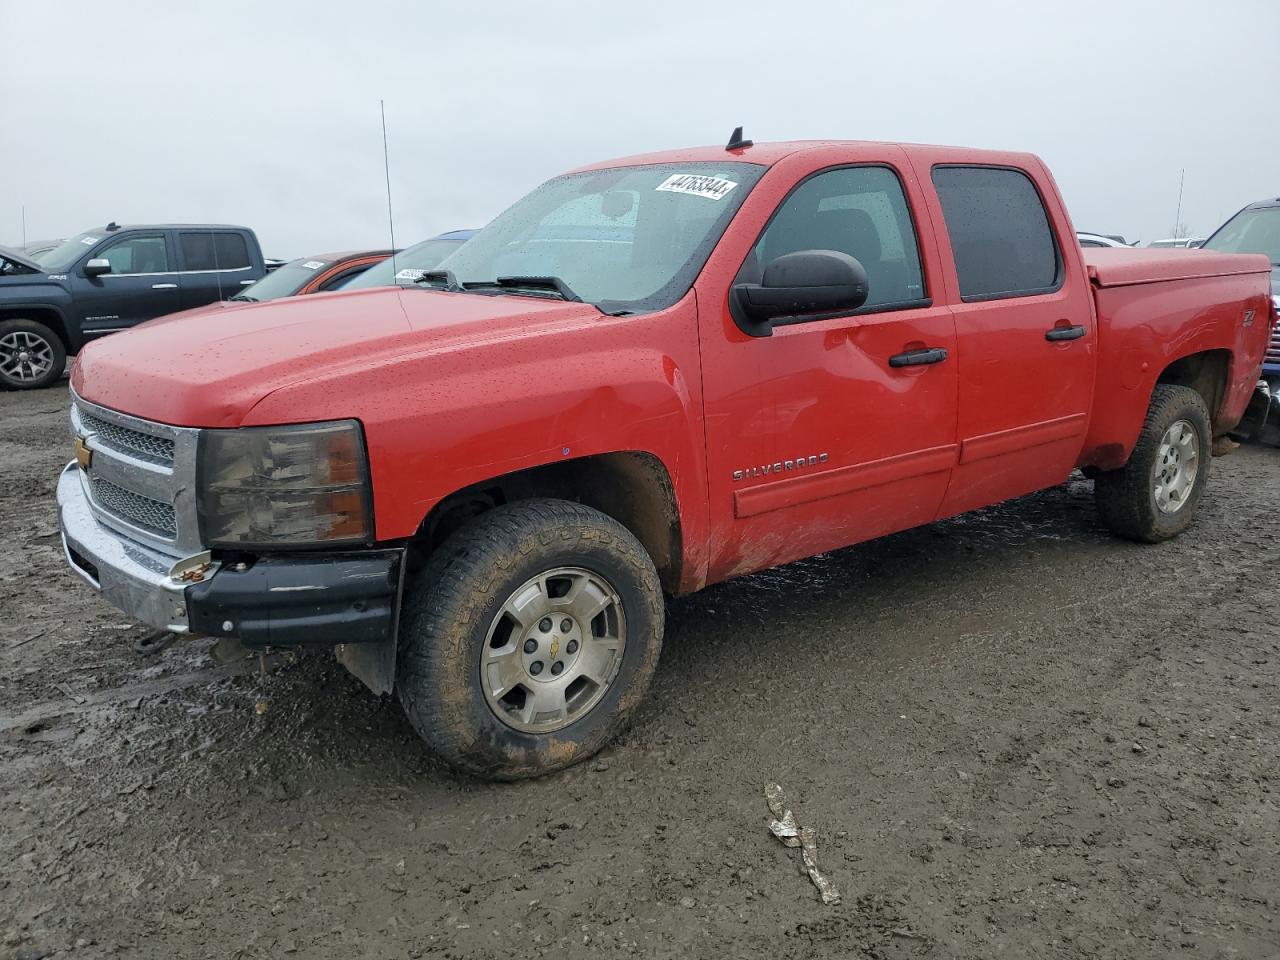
pixel 108 279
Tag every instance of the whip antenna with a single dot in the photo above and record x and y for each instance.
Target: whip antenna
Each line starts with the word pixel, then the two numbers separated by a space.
pixel 386 169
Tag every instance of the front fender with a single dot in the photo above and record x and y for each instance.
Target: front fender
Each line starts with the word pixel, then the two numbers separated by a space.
pixel 438 423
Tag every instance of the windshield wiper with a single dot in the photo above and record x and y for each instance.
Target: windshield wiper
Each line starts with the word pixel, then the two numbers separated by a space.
pixel 245 297
pixel 445 277
pixel 538 284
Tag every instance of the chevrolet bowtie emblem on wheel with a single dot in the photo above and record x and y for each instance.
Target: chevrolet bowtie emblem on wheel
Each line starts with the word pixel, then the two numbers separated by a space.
pixel 84 456
pixel 555 648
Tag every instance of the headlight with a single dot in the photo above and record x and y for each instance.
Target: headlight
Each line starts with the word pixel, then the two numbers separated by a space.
pixel 303 485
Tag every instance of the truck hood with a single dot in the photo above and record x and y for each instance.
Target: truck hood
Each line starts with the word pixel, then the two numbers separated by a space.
pixel 209 371
pixel 13 256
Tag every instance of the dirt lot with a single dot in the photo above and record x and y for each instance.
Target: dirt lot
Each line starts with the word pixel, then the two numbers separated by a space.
pixel 1016 736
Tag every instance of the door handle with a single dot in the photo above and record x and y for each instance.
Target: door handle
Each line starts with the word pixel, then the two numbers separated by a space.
pixel 1064 333
pixel 916 358
pixel 245 283
pixel 164 286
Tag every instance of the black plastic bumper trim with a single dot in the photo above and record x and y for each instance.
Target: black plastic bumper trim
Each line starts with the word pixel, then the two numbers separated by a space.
pixel 307 600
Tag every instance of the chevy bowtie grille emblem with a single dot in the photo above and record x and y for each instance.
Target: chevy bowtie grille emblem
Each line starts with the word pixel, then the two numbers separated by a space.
pixel 84 456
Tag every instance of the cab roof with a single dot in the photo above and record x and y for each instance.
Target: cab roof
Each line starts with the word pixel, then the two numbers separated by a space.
pixel 119 227
pixel 767 154
pixel 347 255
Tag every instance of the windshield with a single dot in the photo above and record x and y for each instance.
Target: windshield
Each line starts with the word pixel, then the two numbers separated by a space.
pixel 283 281
pixel 66 253
pixel 406 267
pixel 627 239
pixel 1249 231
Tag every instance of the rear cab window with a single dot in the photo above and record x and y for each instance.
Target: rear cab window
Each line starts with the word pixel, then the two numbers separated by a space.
pixel 207 250
pixel 1000 233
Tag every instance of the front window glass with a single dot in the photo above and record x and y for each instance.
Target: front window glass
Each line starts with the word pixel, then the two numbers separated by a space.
pixel 1249 231
pixel 860 211
pixel 282 282
pixel 627 239
pixel 141 254
pixel 405 267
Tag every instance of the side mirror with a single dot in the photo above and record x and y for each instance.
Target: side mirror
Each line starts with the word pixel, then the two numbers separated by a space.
pixel 97 267
pixel 805 285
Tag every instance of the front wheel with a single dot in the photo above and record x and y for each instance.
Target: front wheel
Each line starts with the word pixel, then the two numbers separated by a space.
pixel 31 355
pixel 529 639
pixel 1156 494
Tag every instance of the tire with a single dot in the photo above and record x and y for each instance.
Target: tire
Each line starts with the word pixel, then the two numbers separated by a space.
pixel 1136 502
pixel 461 620
pixel 31 355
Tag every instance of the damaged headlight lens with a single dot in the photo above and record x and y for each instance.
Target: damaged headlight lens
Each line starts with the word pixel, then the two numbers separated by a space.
pixel 300 485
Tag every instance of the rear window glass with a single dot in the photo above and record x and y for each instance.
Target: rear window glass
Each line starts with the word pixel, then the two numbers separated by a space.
pixel 213 251
pixel 999 231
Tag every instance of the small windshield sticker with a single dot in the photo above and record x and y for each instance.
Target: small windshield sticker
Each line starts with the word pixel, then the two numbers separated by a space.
pixel 314 264
pixel 88 241
pixel 409 274
pixel 713 188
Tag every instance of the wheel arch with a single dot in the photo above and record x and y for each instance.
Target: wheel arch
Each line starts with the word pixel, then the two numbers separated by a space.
pixel 1207 372
pixel 45 314
pixel 633 487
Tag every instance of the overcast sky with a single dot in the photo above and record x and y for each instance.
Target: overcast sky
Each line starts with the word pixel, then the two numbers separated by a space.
pixel 266 114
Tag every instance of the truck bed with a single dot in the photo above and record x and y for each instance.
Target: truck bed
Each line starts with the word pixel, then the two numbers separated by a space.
pixel 1112 267
pixel 1183 316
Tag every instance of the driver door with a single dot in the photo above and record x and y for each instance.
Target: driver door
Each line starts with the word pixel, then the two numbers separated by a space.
pixel 828 432
pixel 142 283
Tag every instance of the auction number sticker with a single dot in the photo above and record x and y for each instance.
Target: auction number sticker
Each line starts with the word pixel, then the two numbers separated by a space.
pixel 88 241
pixel 314 264
pixel 409 274
pixel 713 188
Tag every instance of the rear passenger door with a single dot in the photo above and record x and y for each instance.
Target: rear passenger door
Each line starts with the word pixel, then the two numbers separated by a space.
pixel 215 265
pixel 1025 332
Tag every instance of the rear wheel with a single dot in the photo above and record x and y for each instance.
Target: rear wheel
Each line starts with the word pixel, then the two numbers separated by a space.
pixel 31 355
pixel 1156 494
pixel 529 639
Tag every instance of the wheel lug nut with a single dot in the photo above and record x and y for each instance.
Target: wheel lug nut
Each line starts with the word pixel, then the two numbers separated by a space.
pixel 545 625
pixel 530 645
pixel 535 668
pixel 557 668
pixel 566 625
pixel 572 647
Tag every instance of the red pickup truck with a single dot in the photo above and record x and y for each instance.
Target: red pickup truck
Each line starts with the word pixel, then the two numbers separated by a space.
pixel 645 377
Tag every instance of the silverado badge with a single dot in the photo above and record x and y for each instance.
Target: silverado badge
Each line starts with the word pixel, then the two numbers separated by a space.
pixel 84 455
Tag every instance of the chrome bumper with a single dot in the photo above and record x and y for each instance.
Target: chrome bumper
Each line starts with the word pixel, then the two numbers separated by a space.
pixel 136 579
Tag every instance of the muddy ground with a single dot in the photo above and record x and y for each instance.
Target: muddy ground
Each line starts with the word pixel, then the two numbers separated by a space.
pixel 1016 737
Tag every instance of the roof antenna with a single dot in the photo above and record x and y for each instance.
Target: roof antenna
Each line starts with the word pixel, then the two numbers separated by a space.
pixel 736 142
pixel 386 169
pixel 112 227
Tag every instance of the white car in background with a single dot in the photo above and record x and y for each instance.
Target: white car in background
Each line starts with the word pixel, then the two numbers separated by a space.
pixel 1098 240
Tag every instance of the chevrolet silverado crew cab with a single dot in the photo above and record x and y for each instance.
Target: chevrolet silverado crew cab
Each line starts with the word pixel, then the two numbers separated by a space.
pixel 110 279
pixel 647 376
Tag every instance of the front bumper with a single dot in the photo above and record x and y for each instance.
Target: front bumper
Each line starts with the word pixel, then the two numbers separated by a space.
pixel 303 599
pixel 129 576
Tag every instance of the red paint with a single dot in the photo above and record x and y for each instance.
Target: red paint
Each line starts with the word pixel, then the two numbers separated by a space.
pixel 455 389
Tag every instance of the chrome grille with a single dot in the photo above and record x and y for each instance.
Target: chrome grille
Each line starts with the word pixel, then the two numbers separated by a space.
pixel 143 445
pixel 1273 351
pixel 140 479
pixel 134 508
